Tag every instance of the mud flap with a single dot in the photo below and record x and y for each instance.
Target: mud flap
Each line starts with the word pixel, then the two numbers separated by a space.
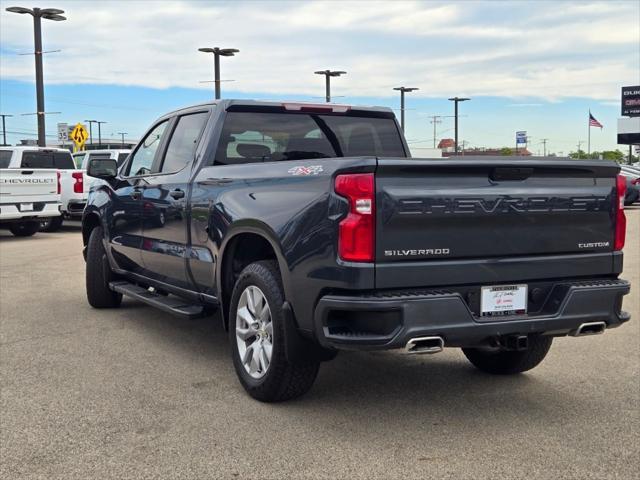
pixel 299 349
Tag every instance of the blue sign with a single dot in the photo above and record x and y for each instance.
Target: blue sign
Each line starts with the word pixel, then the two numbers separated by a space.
pixel 521 137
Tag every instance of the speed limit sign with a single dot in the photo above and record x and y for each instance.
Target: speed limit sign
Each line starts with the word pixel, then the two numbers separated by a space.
pixel 63 132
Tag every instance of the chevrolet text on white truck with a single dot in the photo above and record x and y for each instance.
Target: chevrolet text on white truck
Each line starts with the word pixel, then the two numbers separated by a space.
pixel 73 187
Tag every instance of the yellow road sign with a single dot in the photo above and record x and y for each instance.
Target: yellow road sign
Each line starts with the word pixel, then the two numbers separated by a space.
pixel 79 135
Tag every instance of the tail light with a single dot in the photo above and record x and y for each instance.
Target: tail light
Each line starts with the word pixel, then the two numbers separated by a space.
pixel 356 235
pixel 621 220
pixel 58 180
pixel 78 184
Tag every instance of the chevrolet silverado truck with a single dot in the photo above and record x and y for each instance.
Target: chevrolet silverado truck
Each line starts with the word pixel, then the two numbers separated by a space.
pixel 311 230
pixel 27 197
pixel 73 187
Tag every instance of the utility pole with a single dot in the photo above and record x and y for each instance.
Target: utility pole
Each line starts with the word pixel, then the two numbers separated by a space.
pixel 99 134
pixel 435 119
pixel 457 100
pixel 38 14
pixel 122 134
pixel 4 129
pixel 327 82
pixel 580 142
pixel 464 144
pixel 544 146
pixel 217 53
pixel 402 91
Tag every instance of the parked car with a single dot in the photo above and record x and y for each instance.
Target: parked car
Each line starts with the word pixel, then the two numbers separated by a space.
pixel 82 159
pixel 633 184
pixel 27 196
pixel 72 180
pixel 312 231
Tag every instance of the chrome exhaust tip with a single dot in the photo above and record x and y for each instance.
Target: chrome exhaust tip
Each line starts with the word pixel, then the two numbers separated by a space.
pixel 591 328
pixel 425 345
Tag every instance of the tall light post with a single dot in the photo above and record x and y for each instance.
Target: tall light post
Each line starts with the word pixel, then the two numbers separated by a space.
pixel 91 122
pixel 217 53
pixel 402 91
pixel 457 100
pixel 122 134
pixel 99 134
pixel 38 14
pixel 327 82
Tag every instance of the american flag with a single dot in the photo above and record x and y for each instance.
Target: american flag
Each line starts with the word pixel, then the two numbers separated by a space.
pixel 593 122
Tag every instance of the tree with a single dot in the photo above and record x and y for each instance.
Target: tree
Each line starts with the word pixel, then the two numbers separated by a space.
pixel 506 151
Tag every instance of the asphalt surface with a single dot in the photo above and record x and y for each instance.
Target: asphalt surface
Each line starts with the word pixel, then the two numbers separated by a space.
pixel 136 393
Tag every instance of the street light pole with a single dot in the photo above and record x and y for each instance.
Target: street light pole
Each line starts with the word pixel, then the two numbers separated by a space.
pixel 99 134
pixel 457 100
pixel 217 53
pixel 38 14
pixel 4 129
pixel 37 37
pixel 122 134
pixel 91 122
pixel 327 83
pixel 402 91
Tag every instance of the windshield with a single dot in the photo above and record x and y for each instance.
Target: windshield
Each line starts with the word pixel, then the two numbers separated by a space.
pixel 249 137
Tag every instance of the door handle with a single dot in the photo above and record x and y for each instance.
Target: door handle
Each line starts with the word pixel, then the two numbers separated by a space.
pixel 176 194
pixel 136 194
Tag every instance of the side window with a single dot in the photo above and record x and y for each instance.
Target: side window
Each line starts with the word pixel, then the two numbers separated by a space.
pixel 5 158
pixel 182 146
pixel 121 158
pixel 143 157
pixel 78 158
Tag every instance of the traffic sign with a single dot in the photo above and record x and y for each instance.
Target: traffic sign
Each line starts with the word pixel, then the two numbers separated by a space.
pixel 79 136
pixel 63 132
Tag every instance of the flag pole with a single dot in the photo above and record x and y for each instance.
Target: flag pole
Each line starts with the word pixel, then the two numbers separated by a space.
pixel 589 135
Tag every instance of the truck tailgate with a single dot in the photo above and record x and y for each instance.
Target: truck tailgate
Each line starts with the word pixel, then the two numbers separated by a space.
pixel 465 210
pixel 19 185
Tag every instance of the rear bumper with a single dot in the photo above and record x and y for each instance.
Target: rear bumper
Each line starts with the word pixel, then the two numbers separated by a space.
pixel 390 319
pixel 12 212
pixel 76 207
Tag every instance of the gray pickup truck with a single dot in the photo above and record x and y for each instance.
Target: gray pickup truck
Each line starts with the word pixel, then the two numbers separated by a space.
pixel 311 230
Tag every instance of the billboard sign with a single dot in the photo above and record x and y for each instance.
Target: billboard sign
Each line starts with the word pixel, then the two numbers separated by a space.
pixel 631 101
pixel 521 137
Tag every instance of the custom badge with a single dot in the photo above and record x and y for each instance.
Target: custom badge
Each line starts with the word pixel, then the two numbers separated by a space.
pixel 301 170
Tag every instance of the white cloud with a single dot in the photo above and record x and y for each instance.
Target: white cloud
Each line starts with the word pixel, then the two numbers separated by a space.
pixel 545 50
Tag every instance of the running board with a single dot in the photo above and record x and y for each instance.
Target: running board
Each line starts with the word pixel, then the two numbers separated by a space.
pixel 170 304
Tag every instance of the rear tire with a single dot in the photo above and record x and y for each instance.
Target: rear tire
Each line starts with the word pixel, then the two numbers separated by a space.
pixel 99 274
pixel 280 380
pixel 508 362
pixel 24 229
pixel 52 224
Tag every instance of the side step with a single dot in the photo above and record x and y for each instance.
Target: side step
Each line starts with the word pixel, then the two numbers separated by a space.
pixel 169 304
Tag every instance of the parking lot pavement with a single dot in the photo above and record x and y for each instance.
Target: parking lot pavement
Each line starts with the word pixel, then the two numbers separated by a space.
pixel 136 393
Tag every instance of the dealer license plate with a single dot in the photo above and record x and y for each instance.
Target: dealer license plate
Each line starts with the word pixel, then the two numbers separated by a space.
pixel 26 207
pixel 503 300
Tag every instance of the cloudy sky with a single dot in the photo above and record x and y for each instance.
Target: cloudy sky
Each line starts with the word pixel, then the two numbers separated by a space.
pixel 537 66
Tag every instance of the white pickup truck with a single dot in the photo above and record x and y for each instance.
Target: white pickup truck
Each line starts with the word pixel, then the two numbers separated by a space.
pixel 27 197
pixel 73 187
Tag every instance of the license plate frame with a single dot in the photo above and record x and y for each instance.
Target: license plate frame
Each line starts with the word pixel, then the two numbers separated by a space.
pixel 503 300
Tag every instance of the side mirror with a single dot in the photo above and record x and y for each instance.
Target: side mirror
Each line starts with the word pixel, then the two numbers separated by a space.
pixel 106 169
